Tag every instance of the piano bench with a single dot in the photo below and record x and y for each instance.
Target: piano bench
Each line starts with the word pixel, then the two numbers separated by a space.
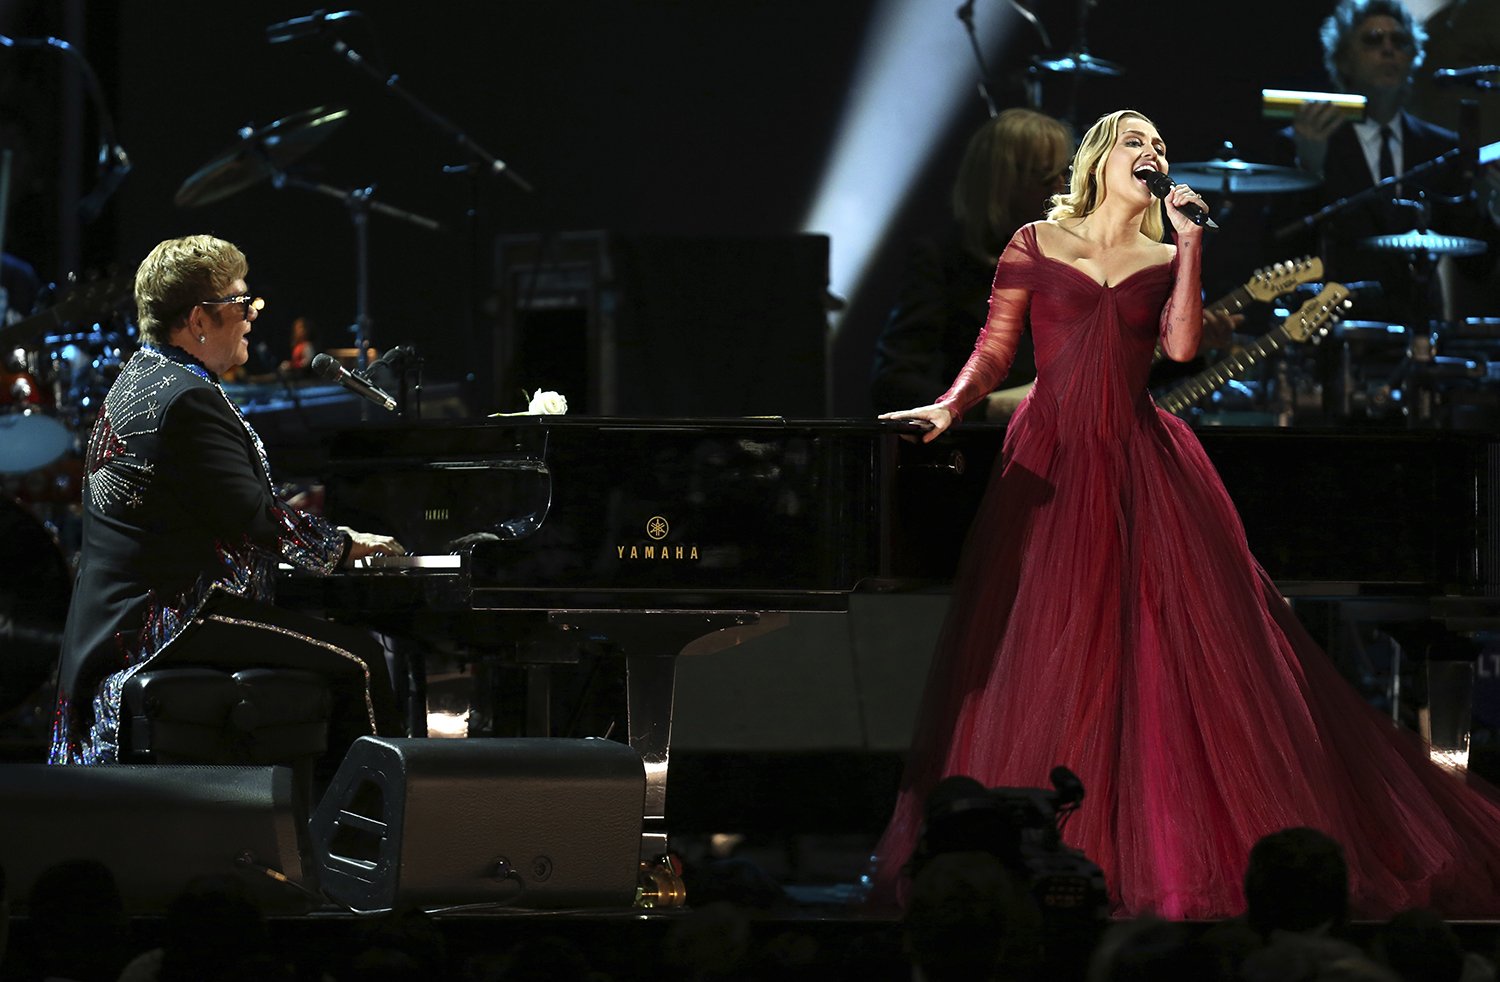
pixel 209 716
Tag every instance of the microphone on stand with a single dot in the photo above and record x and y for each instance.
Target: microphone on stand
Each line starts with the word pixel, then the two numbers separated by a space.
pixel 305 27
pixel 330 369
pixel 1161 185
pixel 1474 75
pixel 114 167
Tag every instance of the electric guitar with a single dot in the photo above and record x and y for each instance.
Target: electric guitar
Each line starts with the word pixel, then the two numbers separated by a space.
pixel 1265 284
pixel 1311 320
pixel 1269 283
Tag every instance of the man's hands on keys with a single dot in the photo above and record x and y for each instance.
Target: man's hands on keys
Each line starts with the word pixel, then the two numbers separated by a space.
pixel 364 544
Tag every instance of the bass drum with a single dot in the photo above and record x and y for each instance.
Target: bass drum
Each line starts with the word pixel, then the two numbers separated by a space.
pixel 35 586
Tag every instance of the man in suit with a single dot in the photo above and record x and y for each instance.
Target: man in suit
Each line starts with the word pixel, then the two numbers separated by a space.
pixel 1372 48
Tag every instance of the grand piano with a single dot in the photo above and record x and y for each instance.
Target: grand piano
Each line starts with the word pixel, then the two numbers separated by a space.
pixel 657 536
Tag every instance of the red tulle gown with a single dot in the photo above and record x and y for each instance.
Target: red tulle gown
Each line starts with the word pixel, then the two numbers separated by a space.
pixel 1107 615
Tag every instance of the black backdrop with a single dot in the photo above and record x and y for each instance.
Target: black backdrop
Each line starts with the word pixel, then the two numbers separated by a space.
pixel 695 117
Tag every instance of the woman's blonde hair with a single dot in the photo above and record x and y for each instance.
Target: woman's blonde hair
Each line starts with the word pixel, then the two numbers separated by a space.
pixel 180 273
pixel 1086 189
pixel 1008 160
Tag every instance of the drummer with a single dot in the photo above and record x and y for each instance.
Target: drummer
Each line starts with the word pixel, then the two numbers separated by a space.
pixel 1371 48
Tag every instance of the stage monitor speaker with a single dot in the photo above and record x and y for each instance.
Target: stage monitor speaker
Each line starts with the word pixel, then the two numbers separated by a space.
pixel 537 823
pixel 156 827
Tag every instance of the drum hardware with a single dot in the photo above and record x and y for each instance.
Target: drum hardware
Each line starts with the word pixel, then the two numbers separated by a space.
pixel 1295 391
pixel 259 156
pixel 85 303
pixel 51 384
pixel 31 436
pixel 1076 64
pixel 1387 186
pixel 265 153
pixel 1230 175
pixel 1420 243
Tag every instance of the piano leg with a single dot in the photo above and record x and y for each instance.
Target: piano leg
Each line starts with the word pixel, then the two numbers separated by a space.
pixel 650 642
pixel 538 700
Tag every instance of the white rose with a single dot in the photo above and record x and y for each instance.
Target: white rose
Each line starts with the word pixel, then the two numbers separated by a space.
pixel 547 403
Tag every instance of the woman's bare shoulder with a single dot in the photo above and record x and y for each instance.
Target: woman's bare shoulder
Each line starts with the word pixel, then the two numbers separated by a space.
pixel 1054 233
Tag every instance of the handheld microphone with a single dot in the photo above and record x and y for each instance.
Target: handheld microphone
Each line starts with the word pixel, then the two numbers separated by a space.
pixel 330 369
pixel 1161 185
pixel 1474 75
pixel 305 27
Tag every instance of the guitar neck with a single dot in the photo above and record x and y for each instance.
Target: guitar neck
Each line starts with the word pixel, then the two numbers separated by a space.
pixel 1189 391
pixel 1233 302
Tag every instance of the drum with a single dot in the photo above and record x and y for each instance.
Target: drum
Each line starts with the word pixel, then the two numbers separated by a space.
pixel 1366 381
pixel 84 365
pixel 35 586
pixel 31 435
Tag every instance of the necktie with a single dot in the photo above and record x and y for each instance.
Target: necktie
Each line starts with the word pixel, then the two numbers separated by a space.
pixel 1387 161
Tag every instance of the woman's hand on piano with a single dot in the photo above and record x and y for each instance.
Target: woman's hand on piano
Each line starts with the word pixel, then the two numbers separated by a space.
pixel 362 544
pixel 933 419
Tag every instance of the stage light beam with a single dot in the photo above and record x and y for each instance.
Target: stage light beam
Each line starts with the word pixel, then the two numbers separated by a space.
pixel 911 80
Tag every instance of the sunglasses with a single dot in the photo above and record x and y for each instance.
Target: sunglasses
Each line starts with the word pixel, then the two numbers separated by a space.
pixel 246 301
pixel 1402 40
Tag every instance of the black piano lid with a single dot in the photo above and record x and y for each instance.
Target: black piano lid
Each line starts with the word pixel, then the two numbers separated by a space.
pixel 694 507
pixel 783 506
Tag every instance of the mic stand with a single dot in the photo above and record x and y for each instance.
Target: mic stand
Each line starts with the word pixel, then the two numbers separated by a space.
pixel 483 161
pixel 391 84
pixel 399 371
pixel 360 204
pixel 966 14
pixel 113 162
pixel 1389 185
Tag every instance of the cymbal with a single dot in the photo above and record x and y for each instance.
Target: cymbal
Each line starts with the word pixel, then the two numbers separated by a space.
pixel 86 302
pixel 1432 243
pixel 258 155
pixel 1235 176
pixel 1077 64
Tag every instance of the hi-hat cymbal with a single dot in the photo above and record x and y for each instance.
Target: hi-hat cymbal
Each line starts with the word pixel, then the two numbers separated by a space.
pixel 1235 176
pixel 1077 64
pixel 258 155
pixel 1431 243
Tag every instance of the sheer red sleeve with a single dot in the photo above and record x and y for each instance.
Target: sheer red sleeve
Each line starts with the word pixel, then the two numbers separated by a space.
pixel 995 347
pixel 1181 329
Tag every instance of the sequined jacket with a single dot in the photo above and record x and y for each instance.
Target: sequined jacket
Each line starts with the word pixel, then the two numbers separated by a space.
pixel 177 503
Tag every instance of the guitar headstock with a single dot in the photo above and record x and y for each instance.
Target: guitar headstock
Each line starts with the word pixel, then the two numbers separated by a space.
pixel 1314 317
pixel 1272 281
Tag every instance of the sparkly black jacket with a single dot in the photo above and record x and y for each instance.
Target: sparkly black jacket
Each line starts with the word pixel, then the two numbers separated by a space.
pixel 177 503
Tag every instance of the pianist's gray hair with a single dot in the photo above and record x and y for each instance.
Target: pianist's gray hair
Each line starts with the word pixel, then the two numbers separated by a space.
pixel 179 274
pixel 1337 32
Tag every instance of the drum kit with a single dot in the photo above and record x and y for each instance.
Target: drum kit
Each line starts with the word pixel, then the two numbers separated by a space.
pixel 55 367
pixel 57 364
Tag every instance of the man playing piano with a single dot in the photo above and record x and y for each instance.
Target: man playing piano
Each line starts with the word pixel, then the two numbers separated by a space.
pixel 179 510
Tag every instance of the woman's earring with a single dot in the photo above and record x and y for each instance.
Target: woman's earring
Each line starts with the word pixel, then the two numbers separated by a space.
pixel 203 339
